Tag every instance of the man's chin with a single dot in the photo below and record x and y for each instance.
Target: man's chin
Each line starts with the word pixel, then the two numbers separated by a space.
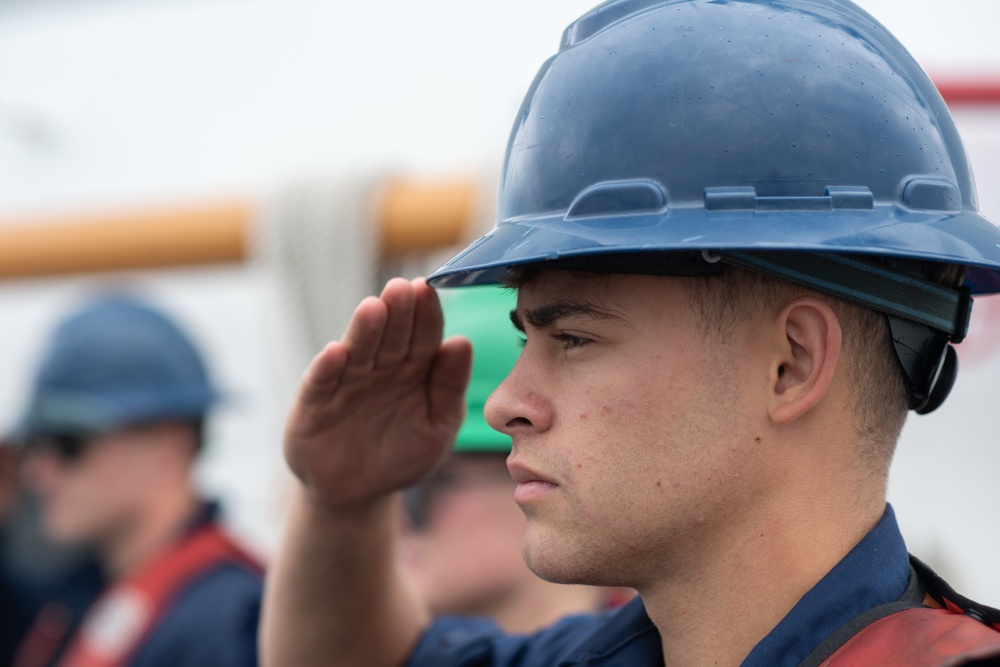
pixel 560 559
pixel 550 562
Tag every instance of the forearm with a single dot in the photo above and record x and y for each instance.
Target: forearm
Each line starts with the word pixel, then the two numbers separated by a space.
pixel 335 594
pixel 376 412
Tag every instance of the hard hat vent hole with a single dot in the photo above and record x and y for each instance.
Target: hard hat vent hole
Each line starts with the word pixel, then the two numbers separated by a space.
pixel 931 194
pixel 618 198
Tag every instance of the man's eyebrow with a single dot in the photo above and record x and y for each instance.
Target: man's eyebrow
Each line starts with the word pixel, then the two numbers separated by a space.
pixel 545 315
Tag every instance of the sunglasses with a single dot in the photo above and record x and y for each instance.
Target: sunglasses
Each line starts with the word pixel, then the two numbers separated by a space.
pixel 419 501
pixel 69 448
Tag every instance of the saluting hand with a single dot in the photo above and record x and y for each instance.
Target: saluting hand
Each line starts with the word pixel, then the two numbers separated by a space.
pixel 379 409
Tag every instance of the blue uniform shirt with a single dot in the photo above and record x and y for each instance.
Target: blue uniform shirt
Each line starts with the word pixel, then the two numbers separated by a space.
pixel 210 622
pixel 875 572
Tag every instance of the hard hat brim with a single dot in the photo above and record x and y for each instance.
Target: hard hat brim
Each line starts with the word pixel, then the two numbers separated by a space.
pixel 89 415
pixel 964 238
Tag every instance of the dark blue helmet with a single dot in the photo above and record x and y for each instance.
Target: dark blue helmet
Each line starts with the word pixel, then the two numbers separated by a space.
pixel 115 363
pixel 792 137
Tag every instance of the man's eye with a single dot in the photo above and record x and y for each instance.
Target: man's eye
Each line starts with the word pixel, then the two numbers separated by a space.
pixel 569 341
pixel 522 341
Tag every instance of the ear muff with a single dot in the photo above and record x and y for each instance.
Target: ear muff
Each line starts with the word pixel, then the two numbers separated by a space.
pixel 928 361
pixel 944 382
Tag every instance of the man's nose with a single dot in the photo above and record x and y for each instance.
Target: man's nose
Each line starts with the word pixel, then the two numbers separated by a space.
pixel 518 405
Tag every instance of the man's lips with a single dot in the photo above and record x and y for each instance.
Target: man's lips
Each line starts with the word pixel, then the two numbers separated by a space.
pixel 522 474
pixel 531 485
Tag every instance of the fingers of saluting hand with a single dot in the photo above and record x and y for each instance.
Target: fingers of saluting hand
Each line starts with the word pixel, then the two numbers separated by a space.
pixel 380 407
pixel 361 346
pixel 428 322
pixel 364 334
pixel 323 375
pixel 400 302
pixel 403 324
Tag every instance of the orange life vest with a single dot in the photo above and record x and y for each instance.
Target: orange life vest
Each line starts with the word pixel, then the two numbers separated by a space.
pixel 930 626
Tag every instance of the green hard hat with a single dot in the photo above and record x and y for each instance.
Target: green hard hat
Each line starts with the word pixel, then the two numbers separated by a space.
pixel 482 314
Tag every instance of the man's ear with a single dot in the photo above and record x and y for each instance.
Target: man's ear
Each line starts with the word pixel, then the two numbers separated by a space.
pixel 807 340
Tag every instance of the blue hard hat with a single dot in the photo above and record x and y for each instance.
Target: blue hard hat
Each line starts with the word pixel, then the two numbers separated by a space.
pixel 670 136
pixel 688 125
pixel 117 362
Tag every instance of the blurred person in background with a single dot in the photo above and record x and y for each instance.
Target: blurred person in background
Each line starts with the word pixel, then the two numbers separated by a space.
pixel 462 534
pixel 112 429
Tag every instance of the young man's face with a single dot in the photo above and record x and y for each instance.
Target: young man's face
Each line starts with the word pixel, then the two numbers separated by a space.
pixel 89 489
pixel 633 436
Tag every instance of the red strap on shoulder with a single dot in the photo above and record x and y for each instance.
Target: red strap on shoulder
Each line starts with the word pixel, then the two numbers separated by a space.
pixel 123 616
pixel 919 637
pixel 49 628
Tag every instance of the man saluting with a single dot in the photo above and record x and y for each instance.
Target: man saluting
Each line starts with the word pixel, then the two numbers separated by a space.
pixel 744 236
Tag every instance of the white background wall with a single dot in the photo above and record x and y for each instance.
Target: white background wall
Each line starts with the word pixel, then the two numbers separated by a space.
pixel 111 103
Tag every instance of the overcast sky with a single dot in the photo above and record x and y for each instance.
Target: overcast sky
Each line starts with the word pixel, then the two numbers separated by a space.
pixel 108 101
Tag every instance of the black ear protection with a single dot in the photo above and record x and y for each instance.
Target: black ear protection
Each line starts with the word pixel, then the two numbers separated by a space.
pixel 928 361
